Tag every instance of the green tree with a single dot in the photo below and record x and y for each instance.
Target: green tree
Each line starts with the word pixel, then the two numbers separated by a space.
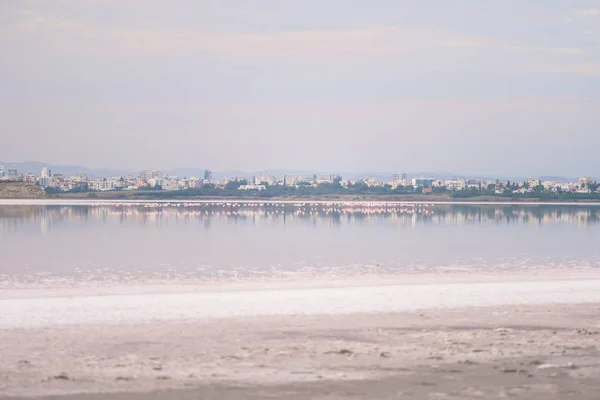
pixel 538 189
pixel 233 185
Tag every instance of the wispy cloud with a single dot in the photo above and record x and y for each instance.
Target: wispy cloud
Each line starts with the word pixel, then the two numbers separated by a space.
pixel 307 44
pixel 400 43
pixel 588 12
pixel 583 69
pixel 572 51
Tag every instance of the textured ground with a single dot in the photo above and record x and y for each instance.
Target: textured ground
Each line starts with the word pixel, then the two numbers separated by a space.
pixel 528 352
pixel 21 190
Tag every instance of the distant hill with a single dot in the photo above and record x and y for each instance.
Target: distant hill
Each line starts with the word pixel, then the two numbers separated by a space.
pixel 67 170
pixel 558 178
pixel 199 172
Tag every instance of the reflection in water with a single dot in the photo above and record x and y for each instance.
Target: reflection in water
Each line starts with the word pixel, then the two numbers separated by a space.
pixel 13 216
pixel 42 245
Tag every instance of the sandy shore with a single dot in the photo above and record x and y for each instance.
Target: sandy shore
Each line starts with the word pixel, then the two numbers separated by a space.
pixel 528 352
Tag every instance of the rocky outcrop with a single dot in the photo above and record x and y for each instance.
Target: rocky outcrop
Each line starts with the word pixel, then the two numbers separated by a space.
pixel 20 190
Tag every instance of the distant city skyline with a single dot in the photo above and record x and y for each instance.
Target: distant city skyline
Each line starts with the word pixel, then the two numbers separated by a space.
pixel 158 182
pixel 206 173
pixel 501 87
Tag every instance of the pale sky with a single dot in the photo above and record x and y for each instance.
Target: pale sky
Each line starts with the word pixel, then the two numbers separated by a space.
pixel 467 86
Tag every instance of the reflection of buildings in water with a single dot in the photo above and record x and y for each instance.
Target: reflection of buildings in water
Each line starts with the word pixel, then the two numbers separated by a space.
pixel 405 217
pixel 45 216
pixel 334 215
pixel 531 215
pixel 44 224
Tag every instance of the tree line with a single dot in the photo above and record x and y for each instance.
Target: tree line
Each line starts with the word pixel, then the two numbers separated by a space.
pixel 232 189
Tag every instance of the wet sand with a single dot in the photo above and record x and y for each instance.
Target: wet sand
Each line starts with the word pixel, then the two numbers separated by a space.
pixel 527 352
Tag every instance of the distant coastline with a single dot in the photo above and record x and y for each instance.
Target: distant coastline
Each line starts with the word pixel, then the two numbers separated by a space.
pixel 19 190
pixel 374 198
pixel 412 197
pixel 436 199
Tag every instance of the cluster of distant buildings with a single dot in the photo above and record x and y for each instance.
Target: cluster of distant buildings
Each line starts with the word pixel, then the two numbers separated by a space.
pixel 156 180
pixel 499 187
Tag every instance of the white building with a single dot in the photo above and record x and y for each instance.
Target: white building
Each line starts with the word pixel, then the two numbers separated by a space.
pixel 566 187
pixel 269 180
pixel 118 183
pixel 324 179
pixel 101 185
pixel 44 182
pixel 456 184
pixel 1 171
pixel 195 182
pixel 533 182
pixel 397 182
pixel 252 187
pixel 156 182
pixel 183 183
pixel 71 185
pixel 549 185
pixel 81 177
pixel 289 180
pixel 149 174
pixel 46 173
pixel 371 181
pixel 170 185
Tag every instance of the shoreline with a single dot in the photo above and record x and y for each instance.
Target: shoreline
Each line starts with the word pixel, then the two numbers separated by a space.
pixel 194 304
pixel 413 197
pixel 316 200
pixel 87 288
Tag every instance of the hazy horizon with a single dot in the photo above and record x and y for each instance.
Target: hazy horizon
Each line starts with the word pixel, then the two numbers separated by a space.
pixel 35 167
pixel 492 89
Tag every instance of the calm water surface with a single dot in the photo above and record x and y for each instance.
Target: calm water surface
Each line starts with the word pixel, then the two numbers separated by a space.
pixel 44 245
